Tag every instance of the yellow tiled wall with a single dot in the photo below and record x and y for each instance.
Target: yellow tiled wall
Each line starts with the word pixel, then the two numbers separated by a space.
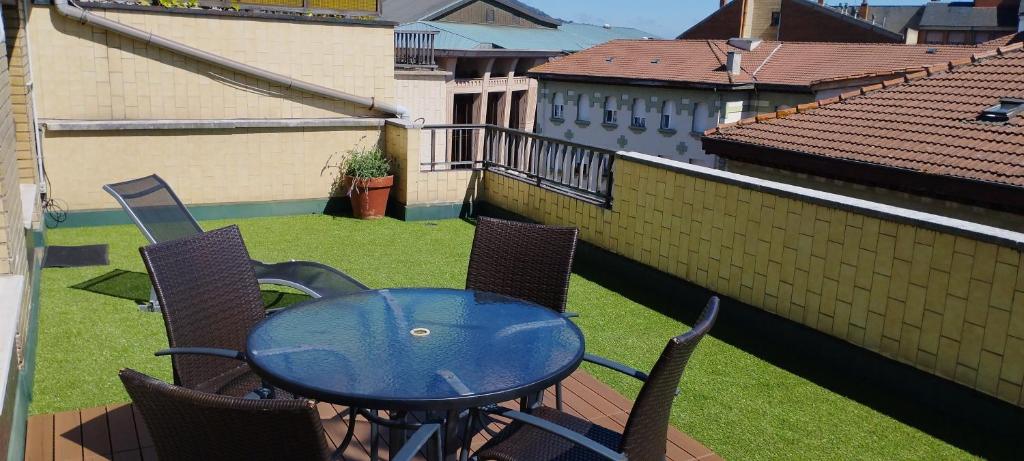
pixel 86 73
pixel 203 166
pixel 20 77
pixel 13 258
pixel 944 303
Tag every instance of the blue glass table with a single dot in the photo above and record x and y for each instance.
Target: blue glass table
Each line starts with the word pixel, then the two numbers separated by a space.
pixel 416 350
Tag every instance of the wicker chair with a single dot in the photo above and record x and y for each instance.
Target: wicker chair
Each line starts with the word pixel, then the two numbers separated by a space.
pixel 162 217
pixel 211 299
pixel 526 261
pixel 547 434
pixel 189 425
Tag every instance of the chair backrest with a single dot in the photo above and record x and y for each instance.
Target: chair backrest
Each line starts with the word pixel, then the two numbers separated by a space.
pixel 209 297
pixel 647 428
pixel 190 425
pixel 155 208
pixel 526 261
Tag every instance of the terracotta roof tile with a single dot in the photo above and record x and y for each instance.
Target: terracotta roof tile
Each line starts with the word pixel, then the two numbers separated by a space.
pixel 928 125
pixel 797 64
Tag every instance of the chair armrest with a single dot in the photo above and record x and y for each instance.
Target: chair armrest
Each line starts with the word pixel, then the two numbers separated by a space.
pixel 210 351
pixel 613 365
pixel 572 436
pixel 416 442
pixel 570 315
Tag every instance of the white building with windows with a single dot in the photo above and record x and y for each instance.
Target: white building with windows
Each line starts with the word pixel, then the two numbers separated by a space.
pixel 660 96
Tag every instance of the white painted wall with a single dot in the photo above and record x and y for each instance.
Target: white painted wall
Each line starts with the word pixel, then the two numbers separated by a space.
pixel 681 142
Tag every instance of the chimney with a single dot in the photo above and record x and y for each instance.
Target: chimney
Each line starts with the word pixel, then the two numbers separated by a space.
pixel 733 63
pixel 862 12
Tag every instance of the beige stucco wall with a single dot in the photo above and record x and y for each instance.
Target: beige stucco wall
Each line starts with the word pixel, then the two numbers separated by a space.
pixel 682 145
pixel 21 76
pixel 758 21
pixel 87 73
pixel 203 166
pixel 941 301
pixel 425 94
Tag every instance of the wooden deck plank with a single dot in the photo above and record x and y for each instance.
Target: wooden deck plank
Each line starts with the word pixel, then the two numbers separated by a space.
pixel 39 439
pixel 95 434
pixel 118 431
pixel 67 436
pixel 123 436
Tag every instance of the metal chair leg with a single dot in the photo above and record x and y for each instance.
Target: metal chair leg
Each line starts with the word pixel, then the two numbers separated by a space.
pixel 558 396
pixel 374 439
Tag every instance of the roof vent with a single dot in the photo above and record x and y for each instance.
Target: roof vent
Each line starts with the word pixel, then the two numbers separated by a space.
pixel 610 59
pixel 932 50
pixel 748 44
pixel 734 63
pixel 656 61
pixel 1000 113
pixel 607 26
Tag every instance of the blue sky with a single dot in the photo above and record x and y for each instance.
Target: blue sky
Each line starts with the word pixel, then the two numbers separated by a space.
pixel 665 18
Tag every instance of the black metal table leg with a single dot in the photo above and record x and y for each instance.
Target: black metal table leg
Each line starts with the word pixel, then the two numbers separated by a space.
pixel 451 435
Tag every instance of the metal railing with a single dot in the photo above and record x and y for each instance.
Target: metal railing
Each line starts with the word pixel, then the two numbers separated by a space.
pixel 349 8
pixel 415 48
pixel 576 170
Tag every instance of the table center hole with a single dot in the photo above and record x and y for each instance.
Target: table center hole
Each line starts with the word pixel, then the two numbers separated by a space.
pixel 420 332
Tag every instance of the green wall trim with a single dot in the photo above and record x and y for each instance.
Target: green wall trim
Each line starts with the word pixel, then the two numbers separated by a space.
pixel 26 377
pixel 90 218
pixel 432 212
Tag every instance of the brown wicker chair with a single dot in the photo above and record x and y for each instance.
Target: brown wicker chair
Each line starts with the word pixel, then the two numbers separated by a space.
pixel 210 300
pixel 189 425
pixel 531 262
pixel 547 434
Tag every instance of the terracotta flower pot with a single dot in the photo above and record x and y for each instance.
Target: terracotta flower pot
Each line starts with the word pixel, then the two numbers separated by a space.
pixel 369 196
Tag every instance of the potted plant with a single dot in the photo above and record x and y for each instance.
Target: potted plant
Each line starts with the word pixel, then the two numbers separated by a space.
pixel 368 180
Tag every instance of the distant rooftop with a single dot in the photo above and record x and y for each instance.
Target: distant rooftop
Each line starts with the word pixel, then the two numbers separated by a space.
pixel 567 38
pixel 794 65
pixel 405 11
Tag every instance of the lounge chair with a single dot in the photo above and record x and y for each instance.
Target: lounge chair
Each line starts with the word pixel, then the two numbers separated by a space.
pixel 161 217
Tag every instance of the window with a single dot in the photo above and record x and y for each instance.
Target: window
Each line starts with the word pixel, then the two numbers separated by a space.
pixel 490 16
pixel 776 18
pixel 611 110
pixel 958 37
pixel 558 107
pixel 668 110
pixel 639 114
pixel 583 108
pixel 700 117
pixel 935 37
pixel 981 37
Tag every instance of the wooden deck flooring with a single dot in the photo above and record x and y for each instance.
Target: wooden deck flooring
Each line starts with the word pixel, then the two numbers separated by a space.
pixel 117 432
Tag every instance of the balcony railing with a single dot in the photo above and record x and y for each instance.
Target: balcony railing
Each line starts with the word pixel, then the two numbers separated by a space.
pixel 415 48
pixel 475 85
pixel 350 8
pixel 578 170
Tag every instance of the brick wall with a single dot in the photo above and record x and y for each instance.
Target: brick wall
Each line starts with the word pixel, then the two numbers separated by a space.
pixel 20 76
pixel 86 73
pixel 878 277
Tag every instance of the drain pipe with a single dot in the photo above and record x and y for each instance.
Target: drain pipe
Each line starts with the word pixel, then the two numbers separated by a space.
pixel 78 14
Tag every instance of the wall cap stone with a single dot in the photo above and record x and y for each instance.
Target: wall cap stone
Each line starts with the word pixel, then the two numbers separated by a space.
pixel 934 222
pixel 228 13
pixel 218 124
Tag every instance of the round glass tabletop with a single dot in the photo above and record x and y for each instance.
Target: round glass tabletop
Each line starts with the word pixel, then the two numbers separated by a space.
pixel 415 349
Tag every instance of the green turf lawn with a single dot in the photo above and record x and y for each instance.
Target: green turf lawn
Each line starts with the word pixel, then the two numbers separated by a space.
pixel 737 404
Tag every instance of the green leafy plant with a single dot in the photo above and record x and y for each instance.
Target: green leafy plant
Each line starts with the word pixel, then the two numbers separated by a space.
pixel 366 163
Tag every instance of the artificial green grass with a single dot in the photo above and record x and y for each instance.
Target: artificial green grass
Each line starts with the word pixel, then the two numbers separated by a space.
pixel 734 402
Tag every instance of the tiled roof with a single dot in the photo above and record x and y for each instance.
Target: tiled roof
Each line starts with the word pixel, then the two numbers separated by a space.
pixel 927 124
pixel 791 64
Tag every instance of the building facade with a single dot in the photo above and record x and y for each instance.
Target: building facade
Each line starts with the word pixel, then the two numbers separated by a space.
pixel 659 97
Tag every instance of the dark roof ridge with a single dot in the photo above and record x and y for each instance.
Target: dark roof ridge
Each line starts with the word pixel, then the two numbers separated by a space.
pixel 927 72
